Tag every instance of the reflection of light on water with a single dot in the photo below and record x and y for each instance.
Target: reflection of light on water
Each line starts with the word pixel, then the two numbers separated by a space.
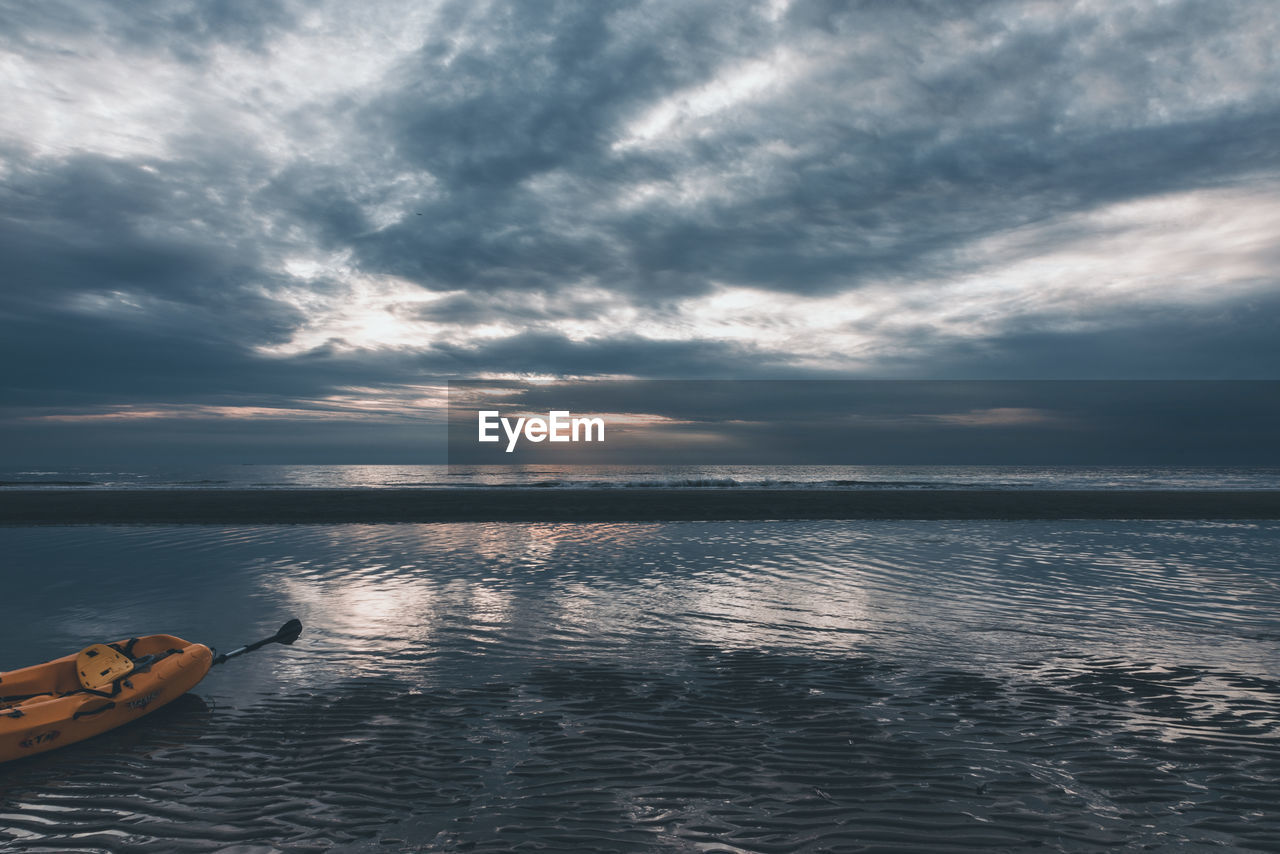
pixel 363 610
pixel 756 608
pixel 408 592
pixel 535 544
pixel 532 543
pixel 357 606
pixel 967 594
pixel 484 604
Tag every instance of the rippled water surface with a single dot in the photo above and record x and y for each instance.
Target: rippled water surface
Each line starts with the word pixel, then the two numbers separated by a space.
pixel 799 686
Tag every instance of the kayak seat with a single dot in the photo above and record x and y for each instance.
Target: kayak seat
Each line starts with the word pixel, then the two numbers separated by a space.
pixel 101 667
pixel 104 666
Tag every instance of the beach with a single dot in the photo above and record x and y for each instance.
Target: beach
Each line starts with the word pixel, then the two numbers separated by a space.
pixel 620 504
pixel 788 686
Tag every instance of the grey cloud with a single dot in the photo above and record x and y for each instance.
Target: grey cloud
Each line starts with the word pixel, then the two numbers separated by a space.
pixel 924 202
pixel 316 198
pixel 535 86
pixel 475 240
pixel 86 224
pixel 91 226
pixel 123 283
pixel 538 89
pixel 991 140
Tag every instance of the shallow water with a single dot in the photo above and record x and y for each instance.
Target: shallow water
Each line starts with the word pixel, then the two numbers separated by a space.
pixel 800 686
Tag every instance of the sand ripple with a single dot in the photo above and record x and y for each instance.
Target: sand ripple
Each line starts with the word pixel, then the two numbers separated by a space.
pixel 713 687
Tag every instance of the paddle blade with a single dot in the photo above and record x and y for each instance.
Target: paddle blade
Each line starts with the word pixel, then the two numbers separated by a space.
pixel 289 632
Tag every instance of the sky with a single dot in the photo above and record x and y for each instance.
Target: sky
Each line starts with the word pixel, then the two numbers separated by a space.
pixel 270 231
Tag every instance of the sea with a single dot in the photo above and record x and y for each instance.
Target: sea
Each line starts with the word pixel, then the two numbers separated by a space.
pixel 778 686
pixel 248 476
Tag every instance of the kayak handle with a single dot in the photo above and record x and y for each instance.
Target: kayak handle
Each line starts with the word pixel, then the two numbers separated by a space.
pixel 82 713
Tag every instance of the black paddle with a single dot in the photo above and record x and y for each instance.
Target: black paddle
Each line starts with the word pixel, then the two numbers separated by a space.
pixel 288 634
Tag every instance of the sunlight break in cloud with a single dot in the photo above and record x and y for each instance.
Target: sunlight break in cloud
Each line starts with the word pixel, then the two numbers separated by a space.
pixel 1088 270
pixel 1098 269
pixel 679 114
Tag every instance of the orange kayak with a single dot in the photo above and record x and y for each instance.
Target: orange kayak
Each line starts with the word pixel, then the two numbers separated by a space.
pixel 47 705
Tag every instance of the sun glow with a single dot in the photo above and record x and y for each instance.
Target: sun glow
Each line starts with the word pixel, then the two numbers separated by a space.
pixel 407 402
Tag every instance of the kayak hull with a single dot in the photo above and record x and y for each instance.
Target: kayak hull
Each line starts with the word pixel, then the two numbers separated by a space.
pixel 42 709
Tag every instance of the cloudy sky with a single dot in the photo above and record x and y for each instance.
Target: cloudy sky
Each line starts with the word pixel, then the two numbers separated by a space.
pixel 265 226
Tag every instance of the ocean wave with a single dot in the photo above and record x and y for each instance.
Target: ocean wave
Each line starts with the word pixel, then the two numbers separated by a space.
pixel 427 477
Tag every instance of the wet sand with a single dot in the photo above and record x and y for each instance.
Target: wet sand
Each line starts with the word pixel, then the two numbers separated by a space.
pixel 288 506
pixel 778 688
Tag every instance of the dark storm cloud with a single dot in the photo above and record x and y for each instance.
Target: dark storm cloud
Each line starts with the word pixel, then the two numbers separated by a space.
pixel 540 86
pixel 123 282
pixel 86 224
pixel 491 101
